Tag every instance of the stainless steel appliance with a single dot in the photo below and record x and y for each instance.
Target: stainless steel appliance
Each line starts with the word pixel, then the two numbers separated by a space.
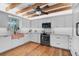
pixel 45 35
pixel 45 39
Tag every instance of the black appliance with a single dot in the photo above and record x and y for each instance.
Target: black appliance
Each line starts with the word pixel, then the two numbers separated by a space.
pixel 45 39
pixel 46 25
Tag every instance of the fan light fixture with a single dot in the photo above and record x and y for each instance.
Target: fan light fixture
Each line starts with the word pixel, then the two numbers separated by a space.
pixel 38 10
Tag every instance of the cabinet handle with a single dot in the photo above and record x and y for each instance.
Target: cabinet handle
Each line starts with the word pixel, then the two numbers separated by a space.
pixel 58 37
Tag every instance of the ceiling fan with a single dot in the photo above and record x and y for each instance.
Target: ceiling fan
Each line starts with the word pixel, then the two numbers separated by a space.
pixel 38 10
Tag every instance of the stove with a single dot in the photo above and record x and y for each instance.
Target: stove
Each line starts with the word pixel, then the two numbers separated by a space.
pixel 45 39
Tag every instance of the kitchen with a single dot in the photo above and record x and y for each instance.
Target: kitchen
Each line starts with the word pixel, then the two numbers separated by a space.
pixel 52 30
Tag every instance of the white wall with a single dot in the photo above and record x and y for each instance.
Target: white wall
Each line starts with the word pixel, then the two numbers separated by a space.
pixel 3 19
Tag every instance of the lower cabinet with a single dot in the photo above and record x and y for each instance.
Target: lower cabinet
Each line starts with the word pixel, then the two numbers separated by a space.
pixel 74 48
pixel 59 41
pixel 35 37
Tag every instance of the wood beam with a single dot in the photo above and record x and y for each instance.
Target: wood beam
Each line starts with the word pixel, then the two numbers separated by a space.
pixel 34 14
pixel 42 8
pixel 48 8
pixel 56 6
pixel 59 10
pixel 64 8
pixel 11 6
pixel 30 7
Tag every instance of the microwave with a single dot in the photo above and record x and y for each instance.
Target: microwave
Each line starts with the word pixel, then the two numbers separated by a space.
pixel 46 25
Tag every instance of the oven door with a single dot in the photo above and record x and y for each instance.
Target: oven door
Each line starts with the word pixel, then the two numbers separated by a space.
pixel 45 40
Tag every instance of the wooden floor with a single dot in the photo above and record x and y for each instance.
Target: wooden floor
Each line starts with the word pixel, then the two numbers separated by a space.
pixel 34 49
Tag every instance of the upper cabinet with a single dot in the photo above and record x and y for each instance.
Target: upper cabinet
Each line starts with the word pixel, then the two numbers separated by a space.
pixel 59 21
pixel 68 21
pixel 38 22
pixel 25 23
pixel 63 21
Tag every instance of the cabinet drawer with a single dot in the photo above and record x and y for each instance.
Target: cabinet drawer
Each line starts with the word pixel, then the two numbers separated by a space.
pixel 60 45
pixel 56 39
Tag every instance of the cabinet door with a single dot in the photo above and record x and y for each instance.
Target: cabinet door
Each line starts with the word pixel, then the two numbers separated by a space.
pixel 59 21
pixel 35 37
pixel 36 24
pixel 60 41
pixel 68 21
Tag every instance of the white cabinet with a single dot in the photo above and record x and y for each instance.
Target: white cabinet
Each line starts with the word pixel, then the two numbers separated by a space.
pixel 59 41
pixel 59 21
pixel 68 21
pixel 63 21
pixel 35 37
pixel 38 22
pixel 25 23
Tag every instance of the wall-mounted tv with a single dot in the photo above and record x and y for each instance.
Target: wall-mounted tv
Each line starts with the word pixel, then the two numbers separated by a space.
pixel 46 25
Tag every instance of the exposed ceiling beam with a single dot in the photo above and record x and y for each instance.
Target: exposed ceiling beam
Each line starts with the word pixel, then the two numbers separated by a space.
pixel 48 8
pixel 64 8
pixel 61 9
pixel 30 7
pixel 56 6
pixel 11 6
pixel 52 8
pixel 34 14
pixel 42 7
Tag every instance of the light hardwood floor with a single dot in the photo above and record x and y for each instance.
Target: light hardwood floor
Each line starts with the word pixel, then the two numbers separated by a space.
pixel 35 49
